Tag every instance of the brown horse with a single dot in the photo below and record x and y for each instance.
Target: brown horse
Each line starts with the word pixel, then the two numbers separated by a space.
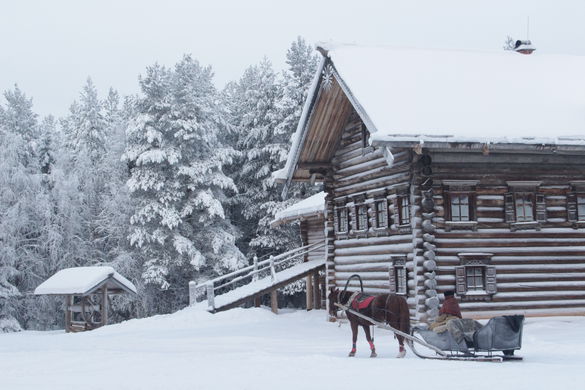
pixel 386 308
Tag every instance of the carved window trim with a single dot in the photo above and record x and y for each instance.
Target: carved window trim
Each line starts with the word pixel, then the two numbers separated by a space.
pixel 456 189
pixel 576 204
pixel 341 219
pixel 398 275
pixel 475 278
pixel 360 216
pixel 515 199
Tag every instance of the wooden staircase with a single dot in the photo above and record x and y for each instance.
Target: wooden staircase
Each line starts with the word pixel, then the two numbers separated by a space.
pixel 263 277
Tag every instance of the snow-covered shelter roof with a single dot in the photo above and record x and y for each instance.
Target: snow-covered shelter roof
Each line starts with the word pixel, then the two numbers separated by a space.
pixel 84 280
pixel 311 206
pixel 445 97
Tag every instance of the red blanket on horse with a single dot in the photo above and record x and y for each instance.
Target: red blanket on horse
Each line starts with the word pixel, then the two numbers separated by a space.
pixel 361 301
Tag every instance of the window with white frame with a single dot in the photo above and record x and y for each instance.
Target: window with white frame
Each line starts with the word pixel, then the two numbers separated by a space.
pixel 361 221
pixel 403 209
pixel 381 208
pixel 460 207
pixel 475 278
pixel 524 205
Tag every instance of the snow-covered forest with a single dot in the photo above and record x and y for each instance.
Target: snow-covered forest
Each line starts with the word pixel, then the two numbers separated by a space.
pixel 170 185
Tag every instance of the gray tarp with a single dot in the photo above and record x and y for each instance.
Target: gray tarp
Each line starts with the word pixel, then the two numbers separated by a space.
pixel 499 334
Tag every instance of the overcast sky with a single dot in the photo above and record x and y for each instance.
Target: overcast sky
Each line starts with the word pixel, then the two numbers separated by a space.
pixel 50 47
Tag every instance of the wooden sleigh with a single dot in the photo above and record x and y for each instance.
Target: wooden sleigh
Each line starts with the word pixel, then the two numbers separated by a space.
pixel 483 346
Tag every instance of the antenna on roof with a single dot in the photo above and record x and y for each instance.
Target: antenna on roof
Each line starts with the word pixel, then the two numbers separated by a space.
pixel 523 46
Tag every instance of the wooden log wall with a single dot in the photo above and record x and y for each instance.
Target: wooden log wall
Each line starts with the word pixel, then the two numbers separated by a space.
pixel 312 231
pixel 538 272
pixel 363 171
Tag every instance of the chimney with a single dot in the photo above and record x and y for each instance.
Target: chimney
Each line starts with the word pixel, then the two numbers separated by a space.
pixel 524 47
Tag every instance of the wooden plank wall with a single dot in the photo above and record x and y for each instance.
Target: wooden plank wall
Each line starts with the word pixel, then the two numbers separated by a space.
pixel 312 230
pixel 362 170
pixel 538 272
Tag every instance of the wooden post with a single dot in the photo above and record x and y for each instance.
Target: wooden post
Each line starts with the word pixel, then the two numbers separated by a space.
pixel 255 275
pixel 272 270
pixel 104 305
pixel 257 301
pixel 316 291
pixel 309 287
pixel 210 296
pixel 192 293
pixel 68 303
pixel 274 301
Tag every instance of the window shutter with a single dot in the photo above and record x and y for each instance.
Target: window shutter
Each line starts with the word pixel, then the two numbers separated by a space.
pixel 336 220
pixel 354 215
pixel 392 279
pixel 471 201
pixel 460 285
pixel 509 207
pixel 572 207
pixel 447 206
pixel 540 207
pixel 490 280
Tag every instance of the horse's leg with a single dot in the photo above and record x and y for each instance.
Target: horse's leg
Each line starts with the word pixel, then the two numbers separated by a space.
pixel 401 349
pixel 370 341
pixel 354 333
pixel 393 319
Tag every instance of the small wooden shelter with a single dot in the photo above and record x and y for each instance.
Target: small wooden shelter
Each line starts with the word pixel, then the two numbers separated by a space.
pixel 86 291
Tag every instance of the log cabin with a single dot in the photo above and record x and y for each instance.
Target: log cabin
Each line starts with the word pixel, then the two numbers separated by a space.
pixel 450 170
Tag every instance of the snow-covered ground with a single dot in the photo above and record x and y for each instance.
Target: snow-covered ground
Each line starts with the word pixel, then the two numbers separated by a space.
pixel 255 349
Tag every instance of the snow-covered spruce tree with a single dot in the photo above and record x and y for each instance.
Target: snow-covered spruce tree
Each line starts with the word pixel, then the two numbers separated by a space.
pixel 265 110
pixel 177 182
pixel 85 128
pixel 253 112
pixel 20 185
pixel 116 207
pixel 85 139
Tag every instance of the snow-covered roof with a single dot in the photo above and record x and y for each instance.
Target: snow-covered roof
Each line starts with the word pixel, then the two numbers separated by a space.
pixel 487 96
pixel 82 280
pixel 311 206
pixel 447 96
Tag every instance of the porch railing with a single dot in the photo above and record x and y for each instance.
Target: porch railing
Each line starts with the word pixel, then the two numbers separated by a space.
pixel 207 290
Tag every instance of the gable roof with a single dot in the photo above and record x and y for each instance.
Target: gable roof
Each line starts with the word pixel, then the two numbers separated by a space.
pixel 407 96
pixel 84 280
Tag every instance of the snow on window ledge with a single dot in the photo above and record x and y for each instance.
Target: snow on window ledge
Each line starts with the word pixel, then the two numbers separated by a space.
pixel 532 225
pixel 460 225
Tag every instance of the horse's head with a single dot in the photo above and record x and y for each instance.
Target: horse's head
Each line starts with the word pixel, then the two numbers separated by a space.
pixel 333 298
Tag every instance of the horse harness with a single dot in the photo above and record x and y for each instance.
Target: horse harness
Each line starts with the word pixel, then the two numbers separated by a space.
pixel 358 301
